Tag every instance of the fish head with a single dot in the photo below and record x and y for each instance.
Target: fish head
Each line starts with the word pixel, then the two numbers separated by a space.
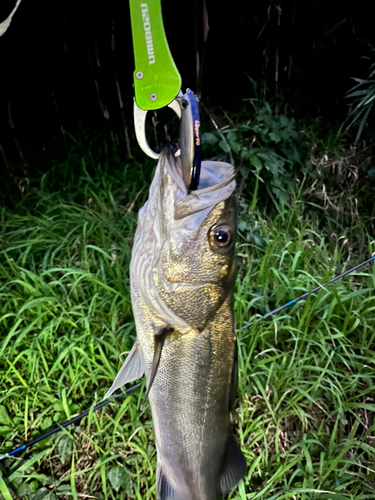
pixel 188 243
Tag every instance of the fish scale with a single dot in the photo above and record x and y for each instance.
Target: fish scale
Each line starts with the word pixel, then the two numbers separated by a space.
pixel 181 281
pixel 199 434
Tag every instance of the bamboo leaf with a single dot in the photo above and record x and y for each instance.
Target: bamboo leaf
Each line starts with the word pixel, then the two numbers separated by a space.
pixel 6 23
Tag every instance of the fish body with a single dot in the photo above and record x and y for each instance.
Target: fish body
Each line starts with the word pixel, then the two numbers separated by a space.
pixel 182 273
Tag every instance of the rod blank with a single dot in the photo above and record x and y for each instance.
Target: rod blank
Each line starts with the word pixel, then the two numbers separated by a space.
pixel 303 296
pixel 74 420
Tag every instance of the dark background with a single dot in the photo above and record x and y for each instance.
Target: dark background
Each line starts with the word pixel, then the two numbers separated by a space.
pixel 67 65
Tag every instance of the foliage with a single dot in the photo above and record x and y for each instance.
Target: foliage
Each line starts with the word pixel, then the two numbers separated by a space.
pixel 363 99
pixel 279 158
pixel 270 151
pixel 304 413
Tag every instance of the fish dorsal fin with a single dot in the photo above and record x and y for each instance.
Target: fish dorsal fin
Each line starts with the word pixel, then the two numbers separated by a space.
pixel 164 488
pixel 233 466
pixel 131 370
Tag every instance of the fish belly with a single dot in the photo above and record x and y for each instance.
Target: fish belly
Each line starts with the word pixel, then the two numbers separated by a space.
pixel 189 403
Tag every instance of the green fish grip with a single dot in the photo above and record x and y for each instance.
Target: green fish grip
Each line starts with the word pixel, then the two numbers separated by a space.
pixel 156 78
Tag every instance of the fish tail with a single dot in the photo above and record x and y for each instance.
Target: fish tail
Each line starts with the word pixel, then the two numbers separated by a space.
pixel 233 467
pixel 164 488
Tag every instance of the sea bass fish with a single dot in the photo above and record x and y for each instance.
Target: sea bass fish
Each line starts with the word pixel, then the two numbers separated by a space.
pixel 182 273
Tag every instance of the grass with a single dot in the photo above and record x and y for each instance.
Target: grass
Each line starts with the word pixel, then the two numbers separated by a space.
pixel 304 413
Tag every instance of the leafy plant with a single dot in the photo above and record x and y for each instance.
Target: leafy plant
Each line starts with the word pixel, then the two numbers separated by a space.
pixel 269 150
pixel 363 95
pixel 304 413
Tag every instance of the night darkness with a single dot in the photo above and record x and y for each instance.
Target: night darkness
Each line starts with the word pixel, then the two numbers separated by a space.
pixel 69 64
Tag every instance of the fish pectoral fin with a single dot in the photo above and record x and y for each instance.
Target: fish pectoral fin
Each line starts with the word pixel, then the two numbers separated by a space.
pixel 233 467
pixel 131 370
pixel 159 344
pixel 164 488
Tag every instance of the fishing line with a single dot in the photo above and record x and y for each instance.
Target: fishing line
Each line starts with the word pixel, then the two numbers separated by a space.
pixel 74 420
pixel 78 418
pixel 301 297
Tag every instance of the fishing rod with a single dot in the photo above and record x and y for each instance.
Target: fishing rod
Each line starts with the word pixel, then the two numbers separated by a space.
pixel 303 296
pixel 104 403
pixel 64 425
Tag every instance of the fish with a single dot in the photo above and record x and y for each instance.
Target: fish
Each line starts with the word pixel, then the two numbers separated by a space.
pixel 182 274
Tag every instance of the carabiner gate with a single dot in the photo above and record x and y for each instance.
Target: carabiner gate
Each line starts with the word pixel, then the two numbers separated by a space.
pixel 186 108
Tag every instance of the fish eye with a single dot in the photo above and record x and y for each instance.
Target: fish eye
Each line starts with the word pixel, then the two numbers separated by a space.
pixel 220 236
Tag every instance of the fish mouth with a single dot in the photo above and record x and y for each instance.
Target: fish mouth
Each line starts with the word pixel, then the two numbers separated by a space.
pixel 217 183
pixel 213 174
pixel 174 166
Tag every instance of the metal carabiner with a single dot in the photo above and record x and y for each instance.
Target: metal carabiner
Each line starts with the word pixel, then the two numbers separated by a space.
pixel 186 108
pixel 140 126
